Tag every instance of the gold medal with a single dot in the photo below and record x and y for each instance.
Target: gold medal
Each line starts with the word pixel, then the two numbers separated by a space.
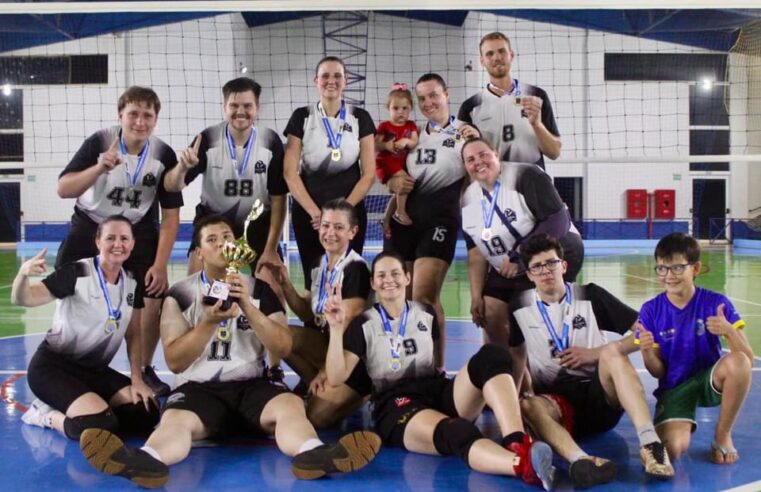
pixel 517 100
pixel 320 320
pixel 335 155
pixel 111 325
pixel 224 334
pixel 396 364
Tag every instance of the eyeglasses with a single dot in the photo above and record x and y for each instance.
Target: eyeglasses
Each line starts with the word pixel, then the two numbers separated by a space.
pixel 550 265
pixel 678 269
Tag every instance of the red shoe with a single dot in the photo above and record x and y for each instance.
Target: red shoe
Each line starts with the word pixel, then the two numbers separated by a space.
pixel 534 464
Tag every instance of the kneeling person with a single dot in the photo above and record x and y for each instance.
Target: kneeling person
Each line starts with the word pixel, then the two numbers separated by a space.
pixel 583 383
pixel 218 355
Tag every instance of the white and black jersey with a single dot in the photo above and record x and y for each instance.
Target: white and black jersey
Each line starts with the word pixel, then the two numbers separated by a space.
pixel 81 312
pixel 501 123
pixel 591 310
pixel 436 164
pixel 526 198
pixel 241 357
pixel 324 178
pixel 226 193
pixel 113 193
pixel 352 274
pixel 367 338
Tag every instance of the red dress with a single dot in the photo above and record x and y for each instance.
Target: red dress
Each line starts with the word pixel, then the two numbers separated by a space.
pixel 389 163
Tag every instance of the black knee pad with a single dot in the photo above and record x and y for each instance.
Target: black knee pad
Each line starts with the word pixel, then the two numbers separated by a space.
pixel 454 437
pixel 491 360
pixel 75 426
pixel 135 419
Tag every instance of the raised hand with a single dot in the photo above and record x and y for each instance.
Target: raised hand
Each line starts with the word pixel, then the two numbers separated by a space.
pixel 111 157
pixel 277 268
pixel 644 338
pixel 532 108
pixel 35 265
pixel 189 157
pixel 718 325
pixel 334 310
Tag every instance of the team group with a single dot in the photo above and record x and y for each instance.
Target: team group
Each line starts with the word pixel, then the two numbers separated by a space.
pixel 370 332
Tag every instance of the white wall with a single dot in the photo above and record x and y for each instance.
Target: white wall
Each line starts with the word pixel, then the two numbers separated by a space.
pixel 187 64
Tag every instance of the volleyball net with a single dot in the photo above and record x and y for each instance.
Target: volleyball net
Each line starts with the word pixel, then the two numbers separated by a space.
pixel 632 112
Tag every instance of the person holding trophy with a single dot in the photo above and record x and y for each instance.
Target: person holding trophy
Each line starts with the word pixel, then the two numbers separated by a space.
pixel 215 327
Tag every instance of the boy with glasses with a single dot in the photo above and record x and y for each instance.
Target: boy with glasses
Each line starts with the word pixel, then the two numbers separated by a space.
pixel 583 383
pixel 679 337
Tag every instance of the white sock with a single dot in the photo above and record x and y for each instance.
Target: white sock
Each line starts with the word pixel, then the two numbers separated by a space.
pixel 647 435
pixel 309 445
pixel 577 456
pixel 152 452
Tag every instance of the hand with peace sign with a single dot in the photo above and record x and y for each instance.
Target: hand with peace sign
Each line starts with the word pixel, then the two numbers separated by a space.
pixel 334 310
pixel 110 158
pixel 719 325
pixel 189 157
pixel 34 266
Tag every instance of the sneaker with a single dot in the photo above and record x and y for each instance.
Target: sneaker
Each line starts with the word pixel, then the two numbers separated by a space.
pixel 108 454
pixel 352 452
pixel 591 470
pixel 534 464
pixel 656 461
pixel 37 414
pixel 276 376
pixel 159 387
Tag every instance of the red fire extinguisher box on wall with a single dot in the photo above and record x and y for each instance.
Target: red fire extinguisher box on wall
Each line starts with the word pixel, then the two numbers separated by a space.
pixel 636 204
pixel 665 204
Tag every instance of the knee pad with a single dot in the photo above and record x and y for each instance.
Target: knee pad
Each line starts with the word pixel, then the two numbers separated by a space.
pixel 135 419
pixel 491 360
pixel 454 437
pixel 75 426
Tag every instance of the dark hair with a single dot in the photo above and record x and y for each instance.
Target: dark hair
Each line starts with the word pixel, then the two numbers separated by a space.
pixel 388 254
pixel 137 94
pixel 327 59
pixel 242 84
pixel 206 221
pixel 496 35
pixel 342 205
pixel 539 244
pixel 114 218
pixel 472 141
pixel 432 76
pixel 678 243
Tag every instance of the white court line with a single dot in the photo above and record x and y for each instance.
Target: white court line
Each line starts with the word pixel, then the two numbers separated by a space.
pixel 6 286
pixel 731 298
pixel 748 487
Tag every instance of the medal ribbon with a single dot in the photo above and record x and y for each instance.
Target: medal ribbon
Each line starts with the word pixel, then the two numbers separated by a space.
pixel 517 235
pixel 449 128
pixel 322 297
pixel 515 91
pixel 488 210
pixel 246 154
pixel 395 342
pixel 560 344
pixel 113 313
pixel 334 139
pixel 141 158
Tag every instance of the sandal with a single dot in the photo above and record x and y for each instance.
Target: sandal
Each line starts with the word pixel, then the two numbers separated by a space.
pixel 402 220
pixel 723 456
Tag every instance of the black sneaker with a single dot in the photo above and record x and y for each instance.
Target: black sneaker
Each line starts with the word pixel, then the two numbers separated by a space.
pixel 276 376
pixel 108 454
pixel 351 452
pixel 159 387
pixel 591 471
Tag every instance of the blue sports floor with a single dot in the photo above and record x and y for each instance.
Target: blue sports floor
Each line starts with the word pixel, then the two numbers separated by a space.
pixel 37 459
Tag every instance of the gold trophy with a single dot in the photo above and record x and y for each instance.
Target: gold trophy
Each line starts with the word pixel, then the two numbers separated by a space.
pixel 238 254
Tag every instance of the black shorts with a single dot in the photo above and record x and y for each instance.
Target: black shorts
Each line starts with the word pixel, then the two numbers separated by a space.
pixel 573 252
pixel 226 407
pixel 58 380
pixel 256 235
pixel 585 411
pixel 393 409
pixel 431 240
pixel 308 241
pixel 503 288
pixel 80 243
